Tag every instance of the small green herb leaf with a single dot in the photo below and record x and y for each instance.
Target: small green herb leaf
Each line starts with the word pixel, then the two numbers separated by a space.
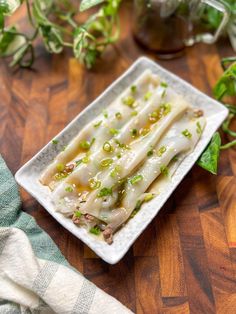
pixel 209 158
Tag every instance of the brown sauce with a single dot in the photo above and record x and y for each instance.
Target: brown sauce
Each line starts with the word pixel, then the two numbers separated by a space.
pixel 164 35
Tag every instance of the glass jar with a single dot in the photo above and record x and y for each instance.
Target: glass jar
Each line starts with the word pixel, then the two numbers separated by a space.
pixel 166 26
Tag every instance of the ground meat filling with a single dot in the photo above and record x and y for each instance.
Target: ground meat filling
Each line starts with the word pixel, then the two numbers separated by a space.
pixel 108 235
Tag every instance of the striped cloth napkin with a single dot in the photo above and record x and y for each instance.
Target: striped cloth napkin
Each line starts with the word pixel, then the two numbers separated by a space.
pixel 34 275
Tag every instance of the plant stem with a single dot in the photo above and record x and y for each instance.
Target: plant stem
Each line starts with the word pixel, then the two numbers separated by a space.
pixel 228 145
pixel 225 126
pixel 29 13
pixel 226 61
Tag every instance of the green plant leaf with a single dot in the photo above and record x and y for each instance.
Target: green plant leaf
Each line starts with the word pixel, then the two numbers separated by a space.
pixel 7 7
pixel 19 55
pixel 226 85
pixel 52 38
pixel 209 158
pixel 10 42
pixel 87 4
pixel 51 34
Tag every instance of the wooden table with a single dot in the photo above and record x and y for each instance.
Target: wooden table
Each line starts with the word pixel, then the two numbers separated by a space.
pixel 185 261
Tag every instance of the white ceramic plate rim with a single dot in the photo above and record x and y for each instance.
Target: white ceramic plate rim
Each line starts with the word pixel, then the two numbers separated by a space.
pixel 131 231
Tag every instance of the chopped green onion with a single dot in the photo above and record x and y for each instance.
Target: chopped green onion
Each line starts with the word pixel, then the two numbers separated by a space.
pixel 104 192
pixel 118 115
pixel 78 162
pixel 118 155
pixel 165 109
pixel 148 197
pixel 60 167
pixel 64 148
pixel 78 214
pixel 93 140
pixel 150 153
pixel 86 160
pixel 107 147
pixel 97 124
pixel 163 93
pixel 164 84
pixel 159 113
pixel 139 203
pixel 118 143
pixel 55 142
pixel 175 158
pixel 84 145
pixel 147 96
pixel 106 162
pixel 154 114
pixel 136 179
pixel 133 88
pixel 69 189
pixel 128 101
pixel 105 114
pixel 144 131
pixel 115 171
pixel 121 145
pixel 199 128
pixel 164 170
pixel 134 113
pixel 60 176
pixel 113 131
pixel 161 151
pixel 134 132
pixel 137 208
pixel 94 184
pixel 95 230
pixel 186 133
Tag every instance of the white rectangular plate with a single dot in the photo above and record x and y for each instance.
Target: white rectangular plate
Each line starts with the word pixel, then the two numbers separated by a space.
pixel 29 174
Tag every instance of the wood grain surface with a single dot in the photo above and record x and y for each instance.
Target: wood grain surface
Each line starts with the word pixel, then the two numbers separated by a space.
pixel 185 261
